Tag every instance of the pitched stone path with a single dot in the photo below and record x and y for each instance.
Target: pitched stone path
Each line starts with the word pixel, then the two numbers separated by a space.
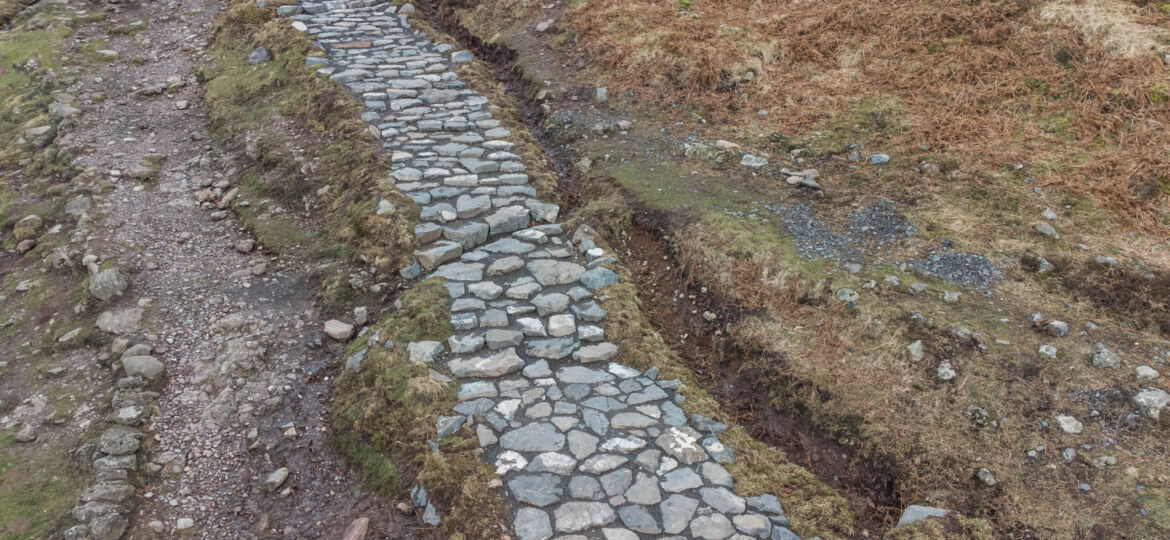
pixel 586 447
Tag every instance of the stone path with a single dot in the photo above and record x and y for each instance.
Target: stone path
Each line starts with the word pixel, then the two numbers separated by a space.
pixel 586 446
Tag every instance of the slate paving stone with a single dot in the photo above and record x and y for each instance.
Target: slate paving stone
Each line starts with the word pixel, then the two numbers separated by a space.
pixel 534 437
pixel 536 489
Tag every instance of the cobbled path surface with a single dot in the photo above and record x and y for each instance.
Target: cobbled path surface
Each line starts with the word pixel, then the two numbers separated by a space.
pixel 586 446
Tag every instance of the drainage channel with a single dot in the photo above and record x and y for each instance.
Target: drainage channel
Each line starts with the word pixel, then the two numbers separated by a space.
pixel 868 485
pixel 678 304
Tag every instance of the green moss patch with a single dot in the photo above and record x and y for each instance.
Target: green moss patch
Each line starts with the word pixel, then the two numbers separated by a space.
pixel 37 487
pixel 26 56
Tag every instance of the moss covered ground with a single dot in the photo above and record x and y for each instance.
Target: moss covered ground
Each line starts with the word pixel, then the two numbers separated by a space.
pixel 37 488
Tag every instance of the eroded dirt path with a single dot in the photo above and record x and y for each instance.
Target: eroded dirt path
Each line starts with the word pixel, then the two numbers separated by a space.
pixel 236 328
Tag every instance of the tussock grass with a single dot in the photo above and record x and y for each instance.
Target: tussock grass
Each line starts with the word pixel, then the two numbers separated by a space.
pixel 1119 26
pixel 10 8
pixel 386 413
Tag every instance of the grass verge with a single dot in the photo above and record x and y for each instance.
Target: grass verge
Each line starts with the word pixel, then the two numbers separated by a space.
pixel 37 488
pixel 386 415
pixel 307 144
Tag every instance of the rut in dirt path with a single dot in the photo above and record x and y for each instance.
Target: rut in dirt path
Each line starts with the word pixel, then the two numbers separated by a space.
pixel 238 445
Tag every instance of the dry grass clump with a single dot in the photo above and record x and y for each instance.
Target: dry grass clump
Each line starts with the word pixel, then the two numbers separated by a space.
pixel 425 389
pixel 991 82
pixel 10 9
pixel 1117 25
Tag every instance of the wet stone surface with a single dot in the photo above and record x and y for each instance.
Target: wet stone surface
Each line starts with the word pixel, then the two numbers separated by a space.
pixel 880 229
pixel 585 444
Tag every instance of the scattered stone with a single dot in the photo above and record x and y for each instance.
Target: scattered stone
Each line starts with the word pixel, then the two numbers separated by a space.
pixel 915 513
pixel 338 330
pixel 424 352
pixel 1101 462
pixel 107 284
pixel 915 352
pixel 275 479
pixel 1047 230
pixel 357 528
pixel 1056 328
pixel 753 161
pixel 147 367
pixel 245 246
pixel 1069 424
pixel 259 54
pixel 987 477
pixel 26 433
pixel 847 295
pixel 120 321
pixel 1104 358
pixel 1151 401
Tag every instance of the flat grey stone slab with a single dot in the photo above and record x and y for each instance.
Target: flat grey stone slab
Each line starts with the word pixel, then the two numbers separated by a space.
pixel 494 365
pixel 534 437
pixel 577 516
